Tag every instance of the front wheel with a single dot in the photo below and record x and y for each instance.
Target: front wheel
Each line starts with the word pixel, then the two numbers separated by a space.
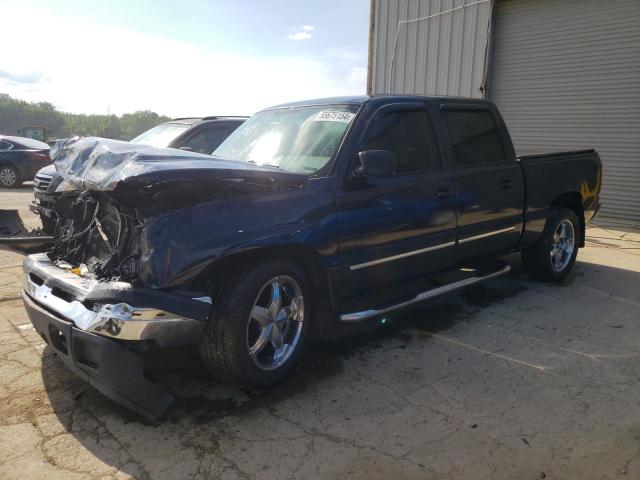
pixel 552 257
pixel 258 332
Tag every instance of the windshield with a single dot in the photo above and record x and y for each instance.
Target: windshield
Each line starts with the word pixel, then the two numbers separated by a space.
pixel 161 135
pixel 300 139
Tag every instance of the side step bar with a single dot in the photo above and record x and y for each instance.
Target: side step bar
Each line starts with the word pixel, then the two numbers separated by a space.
pixel 450 287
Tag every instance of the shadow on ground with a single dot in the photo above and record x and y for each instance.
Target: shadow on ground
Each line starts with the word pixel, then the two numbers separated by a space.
pixel 202 400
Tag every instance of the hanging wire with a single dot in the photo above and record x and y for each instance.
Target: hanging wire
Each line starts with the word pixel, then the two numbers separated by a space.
pixel 428 17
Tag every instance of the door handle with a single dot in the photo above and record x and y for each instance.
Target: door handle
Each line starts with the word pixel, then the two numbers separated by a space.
pixel 444 194
pixel 506 184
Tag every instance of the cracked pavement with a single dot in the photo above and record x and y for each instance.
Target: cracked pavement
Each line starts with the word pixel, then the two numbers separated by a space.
pixel 509 379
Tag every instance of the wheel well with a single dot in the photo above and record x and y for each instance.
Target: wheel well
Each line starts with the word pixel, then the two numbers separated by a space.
pixel 573 201
pixel 222 273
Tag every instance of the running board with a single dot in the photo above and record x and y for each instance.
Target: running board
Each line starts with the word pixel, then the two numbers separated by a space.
pixel 450 287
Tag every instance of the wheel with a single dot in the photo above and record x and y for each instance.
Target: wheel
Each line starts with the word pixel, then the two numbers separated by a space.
pixel 258 332
pixel 552 257
pixel 9 177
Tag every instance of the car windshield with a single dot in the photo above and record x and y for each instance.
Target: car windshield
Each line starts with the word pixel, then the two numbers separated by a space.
pixel 298 139
pixel 161 135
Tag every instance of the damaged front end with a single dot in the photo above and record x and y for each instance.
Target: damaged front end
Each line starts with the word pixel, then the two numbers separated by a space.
pixel 96 236
pixel 92 294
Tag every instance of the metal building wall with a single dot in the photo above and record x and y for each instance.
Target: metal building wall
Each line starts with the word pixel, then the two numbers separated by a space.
pixel 566 76
pixel 444 55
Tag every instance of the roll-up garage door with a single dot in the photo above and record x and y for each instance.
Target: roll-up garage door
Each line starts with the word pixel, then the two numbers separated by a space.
pixel 566 76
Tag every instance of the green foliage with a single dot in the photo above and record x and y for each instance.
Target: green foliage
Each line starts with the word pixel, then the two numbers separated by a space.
pixel 15 114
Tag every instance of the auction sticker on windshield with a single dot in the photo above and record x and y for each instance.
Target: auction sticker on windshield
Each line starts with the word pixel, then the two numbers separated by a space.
pixel 334 116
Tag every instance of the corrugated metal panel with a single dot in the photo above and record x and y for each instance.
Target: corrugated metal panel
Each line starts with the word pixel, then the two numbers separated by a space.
pixel 566 75
pixel 444 55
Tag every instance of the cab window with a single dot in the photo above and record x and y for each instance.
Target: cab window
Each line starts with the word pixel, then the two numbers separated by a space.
pixel 474 137
pixel 409 136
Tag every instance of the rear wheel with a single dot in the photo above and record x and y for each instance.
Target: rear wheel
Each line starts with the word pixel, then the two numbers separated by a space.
pixel 552 257
pixel 9 176
pixel 259 331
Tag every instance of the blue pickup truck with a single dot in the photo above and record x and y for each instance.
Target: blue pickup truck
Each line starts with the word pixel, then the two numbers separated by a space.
pixel 314 218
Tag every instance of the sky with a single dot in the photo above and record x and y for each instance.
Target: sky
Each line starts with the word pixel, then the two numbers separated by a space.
pixel 181 57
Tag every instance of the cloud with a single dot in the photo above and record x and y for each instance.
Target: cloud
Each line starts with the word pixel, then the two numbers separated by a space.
pixel 25 77
pixel 127 70
pixel 301 33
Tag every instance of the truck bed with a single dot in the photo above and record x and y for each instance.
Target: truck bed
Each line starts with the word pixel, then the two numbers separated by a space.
pixel 574 175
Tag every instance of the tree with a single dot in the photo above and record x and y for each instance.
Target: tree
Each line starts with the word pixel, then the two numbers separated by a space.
pixel 15 114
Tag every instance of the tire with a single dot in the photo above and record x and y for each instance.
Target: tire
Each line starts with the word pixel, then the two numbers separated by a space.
pixel 9 176
pixel 235 328
pixel 549 259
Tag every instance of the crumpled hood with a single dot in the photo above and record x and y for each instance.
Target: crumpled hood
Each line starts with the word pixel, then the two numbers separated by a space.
pixel 99 164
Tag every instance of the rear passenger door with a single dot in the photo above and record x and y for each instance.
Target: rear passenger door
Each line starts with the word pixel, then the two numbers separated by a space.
pixel 489 181
pixel 402 226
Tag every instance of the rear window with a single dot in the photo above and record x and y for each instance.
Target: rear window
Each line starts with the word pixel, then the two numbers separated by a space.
pixel 474 137
pixel 31 143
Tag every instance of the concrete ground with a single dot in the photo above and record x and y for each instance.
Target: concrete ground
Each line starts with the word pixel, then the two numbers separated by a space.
pixel 512 379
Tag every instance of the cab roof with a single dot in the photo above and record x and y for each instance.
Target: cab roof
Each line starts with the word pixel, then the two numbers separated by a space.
pixel 194 120
pixel 382 98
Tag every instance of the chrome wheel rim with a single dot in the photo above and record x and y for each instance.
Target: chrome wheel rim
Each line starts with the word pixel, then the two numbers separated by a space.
pixel 275 323
pixel 562 246
pixel 8 177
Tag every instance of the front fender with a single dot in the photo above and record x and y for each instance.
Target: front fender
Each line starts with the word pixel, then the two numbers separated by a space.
pixel 178 246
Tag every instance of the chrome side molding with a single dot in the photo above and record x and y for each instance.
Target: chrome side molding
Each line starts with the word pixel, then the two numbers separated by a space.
pixel 431 248
pixel 401 255
pixel 359 316
pixel 487 234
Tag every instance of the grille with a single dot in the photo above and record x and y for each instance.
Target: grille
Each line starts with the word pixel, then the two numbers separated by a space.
pixel 41 183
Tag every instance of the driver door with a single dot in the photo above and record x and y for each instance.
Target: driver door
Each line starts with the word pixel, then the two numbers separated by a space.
pixel 401 226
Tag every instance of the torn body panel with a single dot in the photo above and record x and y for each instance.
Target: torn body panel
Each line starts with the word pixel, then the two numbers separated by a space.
pixel 14 235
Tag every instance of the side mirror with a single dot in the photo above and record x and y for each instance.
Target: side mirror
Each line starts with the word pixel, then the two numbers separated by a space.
pixel 375 163
pixel 187 149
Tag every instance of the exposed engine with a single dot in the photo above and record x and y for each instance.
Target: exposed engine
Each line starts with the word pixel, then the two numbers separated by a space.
pixel 95 234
